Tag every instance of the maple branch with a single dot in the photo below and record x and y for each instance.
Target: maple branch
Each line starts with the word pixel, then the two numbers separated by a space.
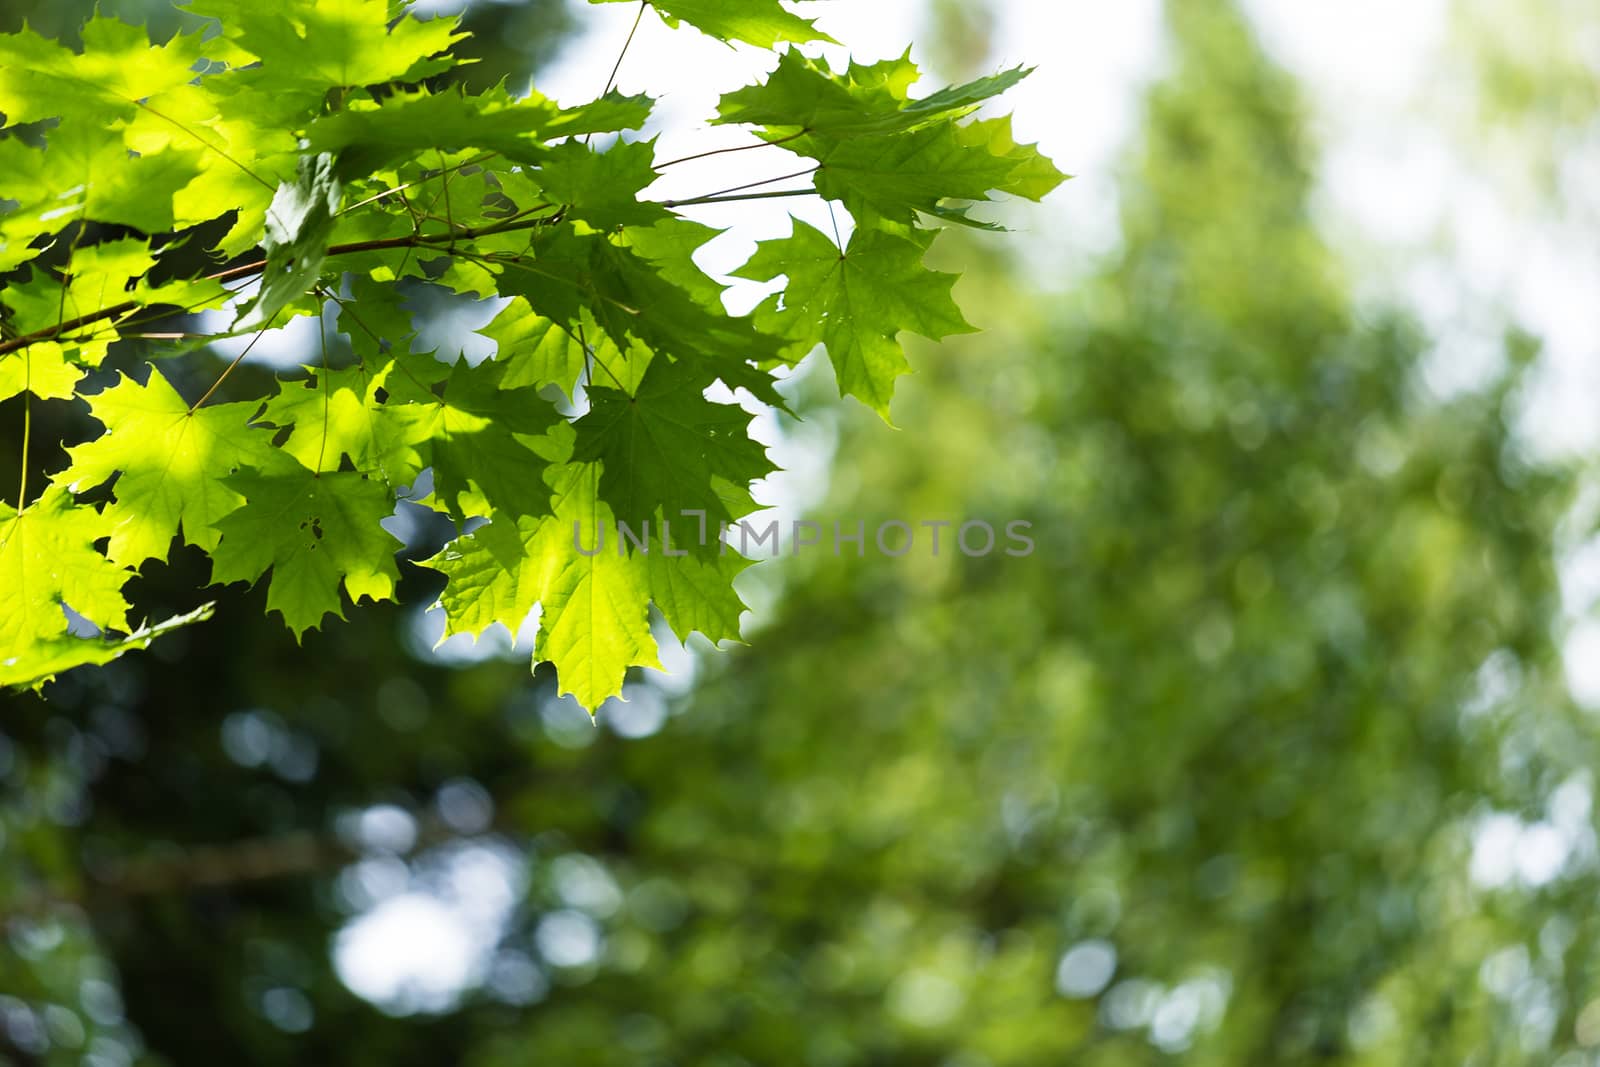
pixel 418 240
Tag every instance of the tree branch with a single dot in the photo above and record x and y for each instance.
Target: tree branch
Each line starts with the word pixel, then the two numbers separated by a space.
pixel 420 240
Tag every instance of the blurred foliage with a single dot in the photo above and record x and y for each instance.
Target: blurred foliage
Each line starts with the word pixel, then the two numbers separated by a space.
pixel 1261 757
pixel 1522 87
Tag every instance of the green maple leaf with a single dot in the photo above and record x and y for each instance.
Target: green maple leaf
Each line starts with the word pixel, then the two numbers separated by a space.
pixel 695 592
pixel 96 276
pixel 669 246
pixel 299 220
pixel 170 462
pixel 44 368
pixel 84 171
pixel 117 69
pixel 806 94
pixel 370 136
pixel 856 302
pixel 316 532
pixel 245 152
pixel 483 441
pixel 46 658
pixel 571 275
pixel 536 351
pixel 338 414
pixel 666 448
pixel 333 43
pixel 594 609
pixel 1032 175
pixel 885 154
pixel 898 176
pixel 602 188
pixel 48 559
pixel 480 438
pixel 763 23
pixel 483 458
pixel 592 590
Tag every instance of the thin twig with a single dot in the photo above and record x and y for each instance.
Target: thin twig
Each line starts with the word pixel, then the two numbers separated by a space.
pixel 735 148
pixel 714 199
pixel 720 193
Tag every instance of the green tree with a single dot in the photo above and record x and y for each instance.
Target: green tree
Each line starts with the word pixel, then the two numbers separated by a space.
pixel 1200 778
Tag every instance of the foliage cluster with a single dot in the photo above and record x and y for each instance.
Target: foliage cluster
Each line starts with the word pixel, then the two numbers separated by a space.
pixel 311 150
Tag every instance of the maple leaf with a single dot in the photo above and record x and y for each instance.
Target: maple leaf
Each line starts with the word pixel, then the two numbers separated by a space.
pixel 594 607
pixel 855 302
pixel 763 23
pixel 669 246
pixel 333 43
pixel 43 368
pixel 666 448
pixel 117 69
pixel 101 182
pixel 482 440
pixel 883 154
pixel 47 561
pixel 536 351
pixel 695 592
pixel 900 175
pixel 170 461
pixel 337 415
pixel 602 188
pixel 371 135
pixel 315 531
pixel 806 94
pixel 572 275
pixel 44 659
pixel 99 274
pixel 593 590
pixel 299 220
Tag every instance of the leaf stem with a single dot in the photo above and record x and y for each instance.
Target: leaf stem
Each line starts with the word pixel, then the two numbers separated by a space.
pixel 375 197
pixel 347 309
pixel 720 194
pixel 715 199
pixel 735 148
pixel 202 140
pixel 327 382
pixel 27 435
pixel 615 67
pixel 198 404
